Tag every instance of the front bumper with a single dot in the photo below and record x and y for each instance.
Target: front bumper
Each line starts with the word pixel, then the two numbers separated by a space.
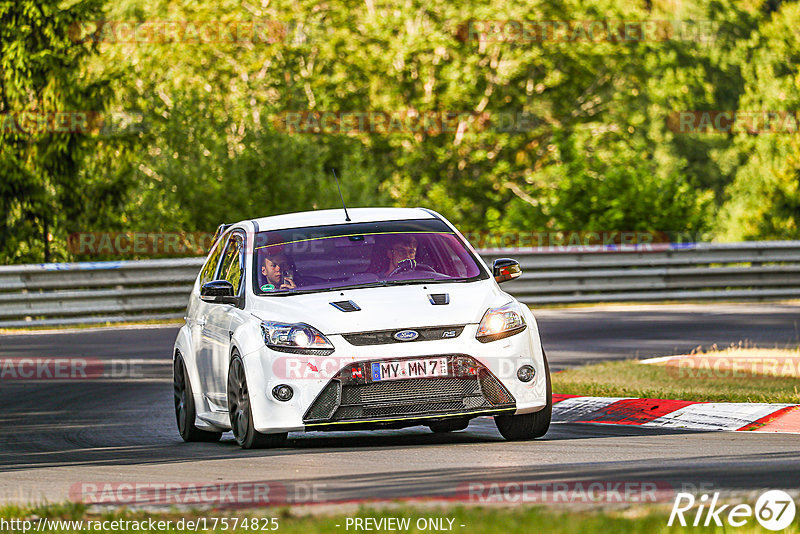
pixel 468 390
pixel 310 376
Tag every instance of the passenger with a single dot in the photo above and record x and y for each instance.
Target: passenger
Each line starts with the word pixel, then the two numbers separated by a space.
pixel 277 272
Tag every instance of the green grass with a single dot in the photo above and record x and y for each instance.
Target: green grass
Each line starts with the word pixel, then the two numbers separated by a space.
pixel 506 520
pixel 633 379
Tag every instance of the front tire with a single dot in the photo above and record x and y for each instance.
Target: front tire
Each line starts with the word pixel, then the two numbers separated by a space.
pixel 241 414
pixel 529 425
pixel 185 413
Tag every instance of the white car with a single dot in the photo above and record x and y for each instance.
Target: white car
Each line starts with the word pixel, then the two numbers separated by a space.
pixel 380 318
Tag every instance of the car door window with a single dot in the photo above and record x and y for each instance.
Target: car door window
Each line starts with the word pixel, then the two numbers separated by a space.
pixel 210 267
pixel 232 269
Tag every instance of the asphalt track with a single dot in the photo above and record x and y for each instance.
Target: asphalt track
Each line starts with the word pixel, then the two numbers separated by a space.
pixel 56 434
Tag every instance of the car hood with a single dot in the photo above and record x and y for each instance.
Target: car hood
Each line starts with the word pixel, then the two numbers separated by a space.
pixel 384 308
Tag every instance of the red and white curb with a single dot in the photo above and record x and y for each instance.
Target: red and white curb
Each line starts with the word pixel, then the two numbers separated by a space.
pixel 689 415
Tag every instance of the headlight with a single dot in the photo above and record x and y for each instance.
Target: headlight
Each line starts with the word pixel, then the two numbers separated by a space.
pixel 501 322
pixel 299 337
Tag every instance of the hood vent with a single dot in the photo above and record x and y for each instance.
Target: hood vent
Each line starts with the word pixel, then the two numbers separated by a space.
pixel 346 306
pixel 439 299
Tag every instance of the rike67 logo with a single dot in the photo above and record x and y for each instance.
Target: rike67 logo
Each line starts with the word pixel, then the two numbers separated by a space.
pixel 774 510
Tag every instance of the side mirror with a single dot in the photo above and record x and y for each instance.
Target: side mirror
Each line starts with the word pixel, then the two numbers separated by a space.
pixel 505 269
pixel 218 292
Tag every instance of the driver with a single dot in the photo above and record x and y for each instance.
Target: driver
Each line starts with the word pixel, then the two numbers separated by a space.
pixel 275 268
pixel 402 252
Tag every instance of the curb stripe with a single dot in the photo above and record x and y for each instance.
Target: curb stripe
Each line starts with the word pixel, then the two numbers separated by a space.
pixel 576 409
pixel 780 421
pixel 634 411
pixel 679 414
pixel 715 415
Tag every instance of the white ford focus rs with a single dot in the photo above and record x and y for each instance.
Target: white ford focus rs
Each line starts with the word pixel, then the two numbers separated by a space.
pixel 386 318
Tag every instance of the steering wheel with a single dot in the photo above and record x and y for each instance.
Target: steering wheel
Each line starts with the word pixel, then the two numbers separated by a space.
pixel 411 265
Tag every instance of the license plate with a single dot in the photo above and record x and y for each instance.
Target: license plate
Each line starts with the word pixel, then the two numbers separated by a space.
pixel 399 370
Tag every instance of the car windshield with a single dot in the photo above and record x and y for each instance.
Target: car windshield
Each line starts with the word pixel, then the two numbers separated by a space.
pixel 302 260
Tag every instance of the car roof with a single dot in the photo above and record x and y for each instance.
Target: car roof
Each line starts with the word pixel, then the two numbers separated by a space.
pixel 336 216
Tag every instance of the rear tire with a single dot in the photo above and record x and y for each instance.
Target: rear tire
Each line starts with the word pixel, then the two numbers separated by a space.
pixel 241 414
pixel 529 425
pixel 185 413
pixel 441 427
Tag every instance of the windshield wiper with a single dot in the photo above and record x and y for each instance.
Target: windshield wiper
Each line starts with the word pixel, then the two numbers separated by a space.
pixel 380 283
pixel 422 281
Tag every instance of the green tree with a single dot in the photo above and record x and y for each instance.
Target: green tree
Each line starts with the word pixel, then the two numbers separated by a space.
pixel 596 151
pixel 42 70
pixel 764 200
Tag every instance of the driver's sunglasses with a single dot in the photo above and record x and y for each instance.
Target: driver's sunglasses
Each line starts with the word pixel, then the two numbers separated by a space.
pixel 405 250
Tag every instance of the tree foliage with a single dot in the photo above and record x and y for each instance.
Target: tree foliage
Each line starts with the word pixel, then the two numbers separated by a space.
pixel 596 154
pixel 43 71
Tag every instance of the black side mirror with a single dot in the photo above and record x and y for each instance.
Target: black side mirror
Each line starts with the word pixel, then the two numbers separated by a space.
pixel 218 292
pixel 505 269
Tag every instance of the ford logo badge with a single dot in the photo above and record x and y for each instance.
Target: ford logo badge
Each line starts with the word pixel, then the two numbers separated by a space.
pixel 406 335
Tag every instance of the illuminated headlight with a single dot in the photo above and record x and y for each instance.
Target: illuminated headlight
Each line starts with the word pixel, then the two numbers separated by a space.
pixel 501 322
pixel 300 338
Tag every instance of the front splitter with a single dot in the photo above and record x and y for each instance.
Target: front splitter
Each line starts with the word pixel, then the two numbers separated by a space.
pixel 402 421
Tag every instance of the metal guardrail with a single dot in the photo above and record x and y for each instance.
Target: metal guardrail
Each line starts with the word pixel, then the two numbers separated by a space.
pixel 97 292
pixel 100 292
pixel 762 270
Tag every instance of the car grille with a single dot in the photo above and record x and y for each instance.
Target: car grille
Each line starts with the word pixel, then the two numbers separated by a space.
pixel 469 387
pixel 385 337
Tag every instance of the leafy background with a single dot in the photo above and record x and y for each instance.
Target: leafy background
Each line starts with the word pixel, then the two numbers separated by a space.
pixel 599 157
